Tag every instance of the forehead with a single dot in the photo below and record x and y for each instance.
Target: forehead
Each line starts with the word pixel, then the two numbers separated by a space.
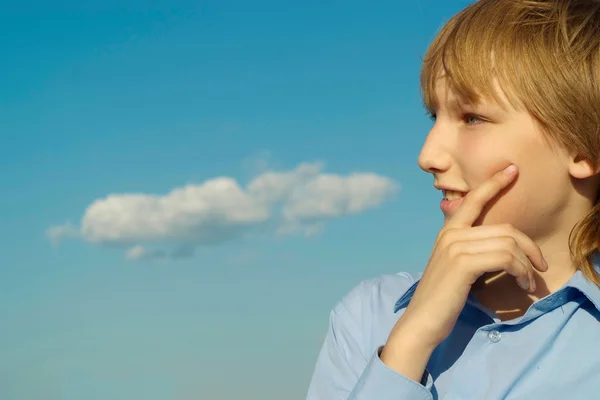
pixel 446 92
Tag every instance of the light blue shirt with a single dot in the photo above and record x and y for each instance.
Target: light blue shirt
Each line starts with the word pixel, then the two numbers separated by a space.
pixel 551 353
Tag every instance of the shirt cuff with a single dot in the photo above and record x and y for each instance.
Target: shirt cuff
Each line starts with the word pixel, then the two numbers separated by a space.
pixel 380 382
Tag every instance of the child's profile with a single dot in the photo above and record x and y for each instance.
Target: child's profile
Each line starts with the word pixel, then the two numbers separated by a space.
pixel 508 305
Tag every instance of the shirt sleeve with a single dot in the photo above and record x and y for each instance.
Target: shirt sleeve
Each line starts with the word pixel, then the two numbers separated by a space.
pixel 342 372
pixel 378 381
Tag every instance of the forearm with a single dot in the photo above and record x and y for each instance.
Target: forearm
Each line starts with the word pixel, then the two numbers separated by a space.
pixel 407 353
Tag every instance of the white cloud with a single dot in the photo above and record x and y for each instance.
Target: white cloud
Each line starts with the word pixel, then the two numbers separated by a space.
pixel 331 196
pixel 141 253
pixel 220 209
pixel 59 232
pixel 193 212
pixel 273 187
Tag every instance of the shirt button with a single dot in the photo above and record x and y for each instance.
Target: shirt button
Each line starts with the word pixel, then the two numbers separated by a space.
pixel 494 336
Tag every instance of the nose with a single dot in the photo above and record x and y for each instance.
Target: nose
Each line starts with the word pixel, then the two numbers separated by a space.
pixel 435 156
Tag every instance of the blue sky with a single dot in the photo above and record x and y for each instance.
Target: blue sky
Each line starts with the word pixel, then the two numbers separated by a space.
pixel 189 187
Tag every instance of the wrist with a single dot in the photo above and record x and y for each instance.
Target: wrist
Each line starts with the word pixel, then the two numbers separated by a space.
pixel 407 351
pixel 407 347
pixel 416 332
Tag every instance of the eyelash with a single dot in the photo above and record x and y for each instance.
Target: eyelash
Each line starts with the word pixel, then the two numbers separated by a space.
pixel 465 117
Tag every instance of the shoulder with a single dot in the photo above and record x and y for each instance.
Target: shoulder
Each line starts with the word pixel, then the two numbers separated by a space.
pixel 382 291
pixel 367 310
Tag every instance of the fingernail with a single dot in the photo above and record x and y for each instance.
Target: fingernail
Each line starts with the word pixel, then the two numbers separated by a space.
pixel 532 286
pixel 510 170
pixel 545 263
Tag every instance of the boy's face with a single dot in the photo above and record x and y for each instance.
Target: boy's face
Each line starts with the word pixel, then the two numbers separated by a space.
pixel 468 144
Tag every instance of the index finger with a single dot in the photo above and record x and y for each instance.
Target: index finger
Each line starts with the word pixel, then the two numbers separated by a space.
pixel 474 202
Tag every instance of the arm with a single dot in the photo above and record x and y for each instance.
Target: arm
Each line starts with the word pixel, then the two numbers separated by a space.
pixel 406 352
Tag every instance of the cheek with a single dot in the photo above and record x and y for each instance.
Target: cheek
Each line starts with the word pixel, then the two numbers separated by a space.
pixel 510 206
pixel 538 190
pixel 531 198
pixel 480 158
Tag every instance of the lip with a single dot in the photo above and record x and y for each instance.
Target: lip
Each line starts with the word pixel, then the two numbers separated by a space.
pixel 448 207
pixel 449 188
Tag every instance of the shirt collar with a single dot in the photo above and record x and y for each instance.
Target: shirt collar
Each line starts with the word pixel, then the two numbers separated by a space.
pixel 585 286
pixel 578 281
pixel 405 299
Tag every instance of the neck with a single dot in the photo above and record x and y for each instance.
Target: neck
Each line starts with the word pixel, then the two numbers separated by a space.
pixel 500 292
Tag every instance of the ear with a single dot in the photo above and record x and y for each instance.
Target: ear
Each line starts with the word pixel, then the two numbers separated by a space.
pixel 581 168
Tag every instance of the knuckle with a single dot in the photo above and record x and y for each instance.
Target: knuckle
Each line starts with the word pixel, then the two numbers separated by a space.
pixel 508 228
pixel 454 251
pixel 446 236
pixel 507 258
pixel 442 233
pixel 510 243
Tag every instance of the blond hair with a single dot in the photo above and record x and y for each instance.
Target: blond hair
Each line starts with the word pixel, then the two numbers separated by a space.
pixel 545 55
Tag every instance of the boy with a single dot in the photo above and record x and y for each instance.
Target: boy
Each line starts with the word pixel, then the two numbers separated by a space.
pixel 509 303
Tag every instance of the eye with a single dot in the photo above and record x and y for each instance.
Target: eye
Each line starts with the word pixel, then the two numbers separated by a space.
pixel 472 119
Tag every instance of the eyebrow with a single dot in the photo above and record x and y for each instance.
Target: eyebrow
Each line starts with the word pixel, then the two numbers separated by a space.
pixel 453 104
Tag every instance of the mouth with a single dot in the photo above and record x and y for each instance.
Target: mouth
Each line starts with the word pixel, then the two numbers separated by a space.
pixel 452 195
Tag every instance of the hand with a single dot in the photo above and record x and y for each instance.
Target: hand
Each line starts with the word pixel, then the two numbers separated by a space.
pixel 462 253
